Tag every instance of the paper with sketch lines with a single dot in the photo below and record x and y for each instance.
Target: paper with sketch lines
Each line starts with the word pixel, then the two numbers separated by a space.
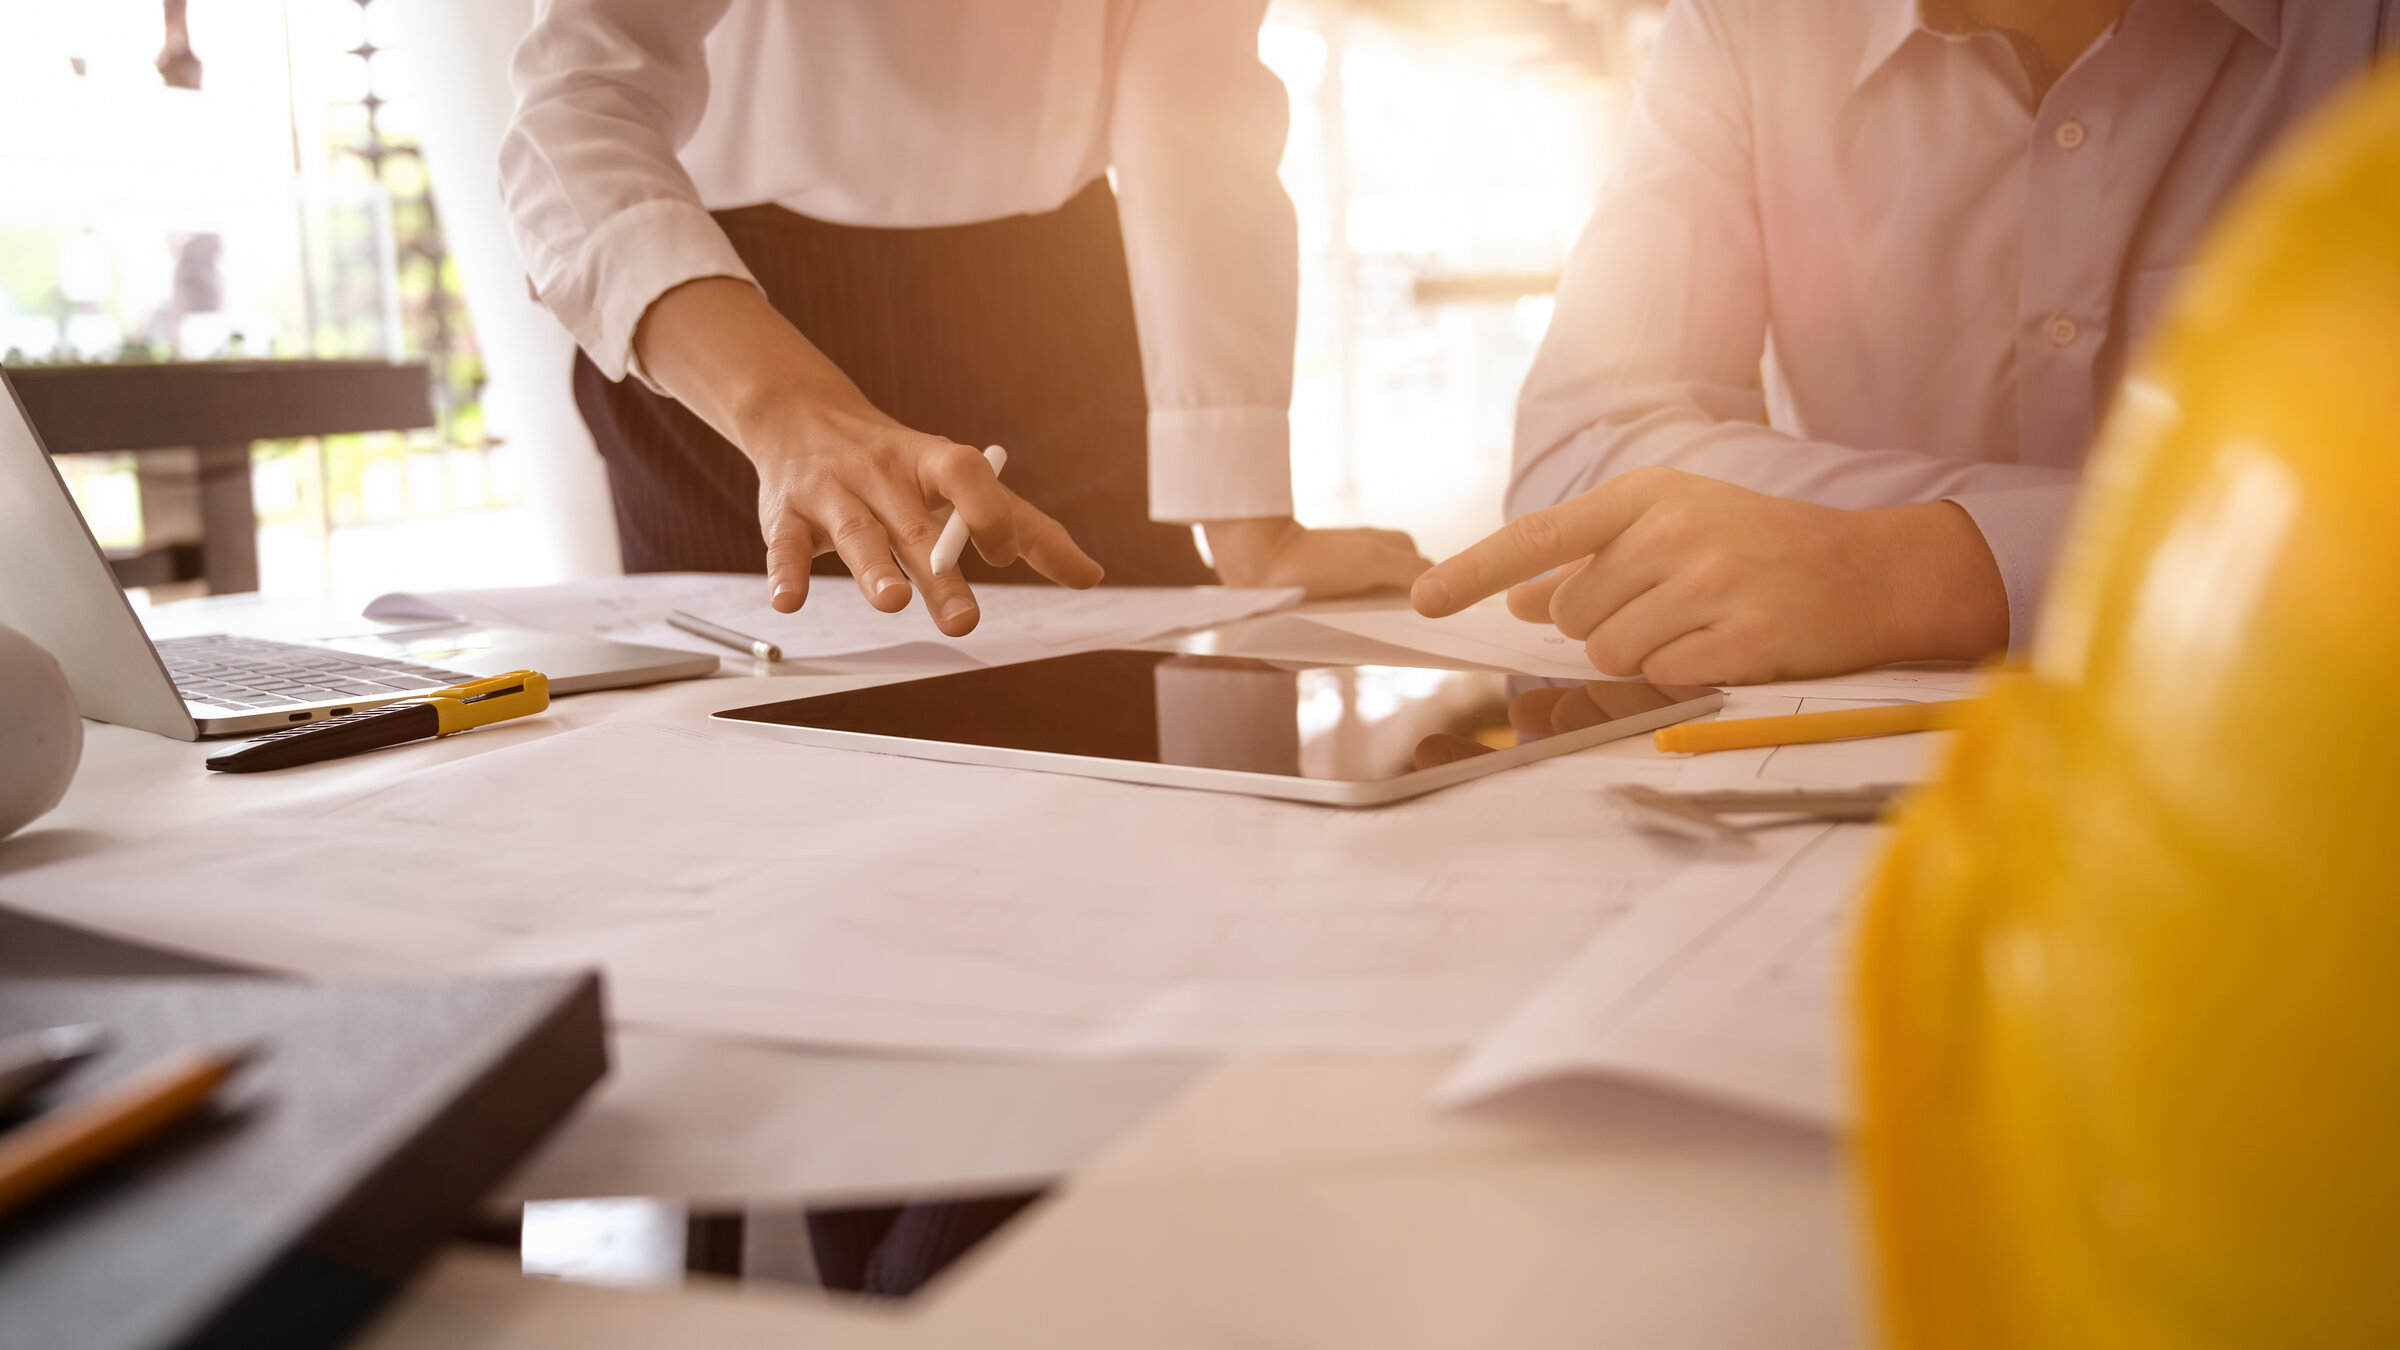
pixel 1019 623
pixel 733 885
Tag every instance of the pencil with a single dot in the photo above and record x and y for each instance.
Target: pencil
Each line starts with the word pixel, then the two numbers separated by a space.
pixel 954 533
pixel 59 1146
pixel 1699 738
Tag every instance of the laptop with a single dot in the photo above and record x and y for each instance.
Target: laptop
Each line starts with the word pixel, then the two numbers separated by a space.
pixel 56 588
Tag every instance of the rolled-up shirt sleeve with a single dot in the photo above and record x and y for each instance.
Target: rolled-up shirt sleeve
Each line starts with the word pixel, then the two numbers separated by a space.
pixel 1196 131
pixel 1654 354
pixel 605 218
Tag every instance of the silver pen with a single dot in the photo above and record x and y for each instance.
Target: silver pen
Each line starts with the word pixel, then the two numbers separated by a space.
pixel 717 632
pixel 34 1058
pixel 1700 815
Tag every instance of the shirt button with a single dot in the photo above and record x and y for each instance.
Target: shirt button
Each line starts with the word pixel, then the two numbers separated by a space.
pixel 2070 134
pixel 2063 332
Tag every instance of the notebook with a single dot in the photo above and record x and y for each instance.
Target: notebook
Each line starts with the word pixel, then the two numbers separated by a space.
pixel 378 1114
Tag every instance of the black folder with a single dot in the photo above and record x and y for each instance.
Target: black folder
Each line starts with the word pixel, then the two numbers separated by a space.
pixel 376 1116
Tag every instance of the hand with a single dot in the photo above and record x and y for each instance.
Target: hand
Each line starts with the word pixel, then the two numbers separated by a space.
pixel 1280 551
pixel 855 482
pixel 1689 580
pixel 834 473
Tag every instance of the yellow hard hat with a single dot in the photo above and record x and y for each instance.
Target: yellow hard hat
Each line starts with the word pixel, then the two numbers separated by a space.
pixel 2128 985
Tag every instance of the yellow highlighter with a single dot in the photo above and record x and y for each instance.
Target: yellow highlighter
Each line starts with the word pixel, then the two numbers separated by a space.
pixel 519 693
pixel 1699 738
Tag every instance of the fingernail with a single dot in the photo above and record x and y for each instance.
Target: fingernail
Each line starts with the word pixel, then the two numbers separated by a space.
pixel 1432 592
pixel 888 585
pixel 957 610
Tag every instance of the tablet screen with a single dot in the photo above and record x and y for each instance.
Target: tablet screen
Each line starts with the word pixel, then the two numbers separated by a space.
pixel 1290 719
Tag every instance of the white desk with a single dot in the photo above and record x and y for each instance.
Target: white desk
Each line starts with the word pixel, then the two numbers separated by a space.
pixel 1279 1202
pixel 679 1116
pixel 1313 1203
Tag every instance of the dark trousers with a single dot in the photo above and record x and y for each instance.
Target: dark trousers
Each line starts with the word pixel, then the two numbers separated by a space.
pixel 1015 332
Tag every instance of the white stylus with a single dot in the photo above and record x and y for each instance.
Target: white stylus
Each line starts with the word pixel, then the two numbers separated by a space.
pixel 954 535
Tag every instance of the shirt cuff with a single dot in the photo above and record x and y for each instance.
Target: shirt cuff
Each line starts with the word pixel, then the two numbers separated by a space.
pixel 1220 463
pixel 636 256
pixel 2022 527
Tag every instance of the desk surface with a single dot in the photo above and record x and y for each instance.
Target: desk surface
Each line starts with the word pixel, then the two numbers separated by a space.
pixel 1316 1201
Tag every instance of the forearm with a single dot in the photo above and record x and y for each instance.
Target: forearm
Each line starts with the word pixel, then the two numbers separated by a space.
pixel 716 346
pixel 1569 446
pixel 1942 596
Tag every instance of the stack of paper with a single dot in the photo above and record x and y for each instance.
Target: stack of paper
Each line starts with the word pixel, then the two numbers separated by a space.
pixel 1019 623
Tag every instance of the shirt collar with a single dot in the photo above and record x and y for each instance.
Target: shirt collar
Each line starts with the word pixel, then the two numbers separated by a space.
pixel 2262 19
pixel 1895 21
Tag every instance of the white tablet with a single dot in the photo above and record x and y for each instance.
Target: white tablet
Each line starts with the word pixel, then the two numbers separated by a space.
pixel 1331 734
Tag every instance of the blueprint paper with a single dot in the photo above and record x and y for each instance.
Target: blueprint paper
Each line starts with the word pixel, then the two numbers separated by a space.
pixel 1729 991
pixel 1019 623
pixel 1489 635
pixel 1485 634
pixel 738 886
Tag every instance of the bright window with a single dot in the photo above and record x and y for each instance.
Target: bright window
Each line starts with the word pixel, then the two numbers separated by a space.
pixel 1442 171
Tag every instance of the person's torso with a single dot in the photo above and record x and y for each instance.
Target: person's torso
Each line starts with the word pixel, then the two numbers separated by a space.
pixel 1953 270
pixel 905 112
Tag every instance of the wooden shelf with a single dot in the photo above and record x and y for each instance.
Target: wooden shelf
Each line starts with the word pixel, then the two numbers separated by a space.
pixel 197 509
pixel 87 409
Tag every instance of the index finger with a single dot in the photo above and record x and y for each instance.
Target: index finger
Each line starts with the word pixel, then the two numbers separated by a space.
pixel 1529 546
pixel 1052 551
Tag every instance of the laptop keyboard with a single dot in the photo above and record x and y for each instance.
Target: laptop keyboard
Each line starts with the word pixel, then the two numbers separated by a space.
pixel 240 672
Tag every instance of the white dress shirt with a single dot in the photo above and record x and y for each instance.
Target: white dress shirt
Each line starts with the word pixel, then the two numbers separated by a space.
pixel 1845 258
pixel 636 118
